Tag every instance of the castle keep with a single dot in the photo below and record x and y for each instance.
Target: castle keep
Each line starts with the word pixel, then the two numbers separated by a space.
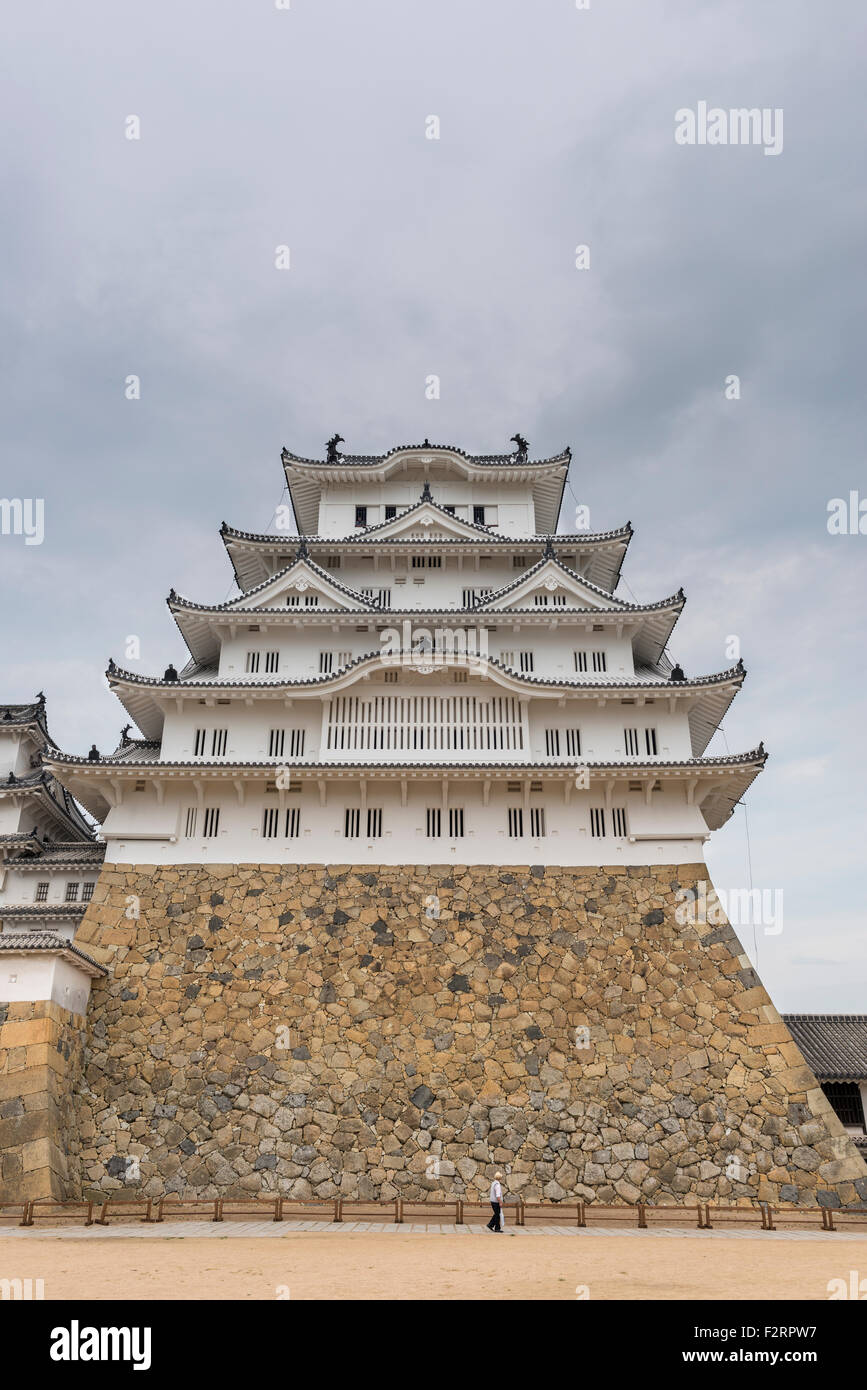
pixel 392 882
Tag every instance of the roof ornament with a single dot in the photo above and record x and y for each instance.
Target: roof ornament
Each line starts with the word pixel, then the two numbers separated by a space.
pixel 332 455
pixel 7 714
pixel 111 666
pixel 521 447
pixel 170 673
pixel 302 552
pixel 124 735
pixel 549 553
pixel 172 596
pixel 11 779
pixel 740 666
pixel 40 698
pixel 426 494
pixel 94 754
pixel 676 673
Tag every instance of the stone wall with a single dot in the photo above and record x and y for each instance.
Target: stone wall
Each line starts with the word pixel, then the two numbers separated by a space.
pixel 400 1031
pixel 41 1052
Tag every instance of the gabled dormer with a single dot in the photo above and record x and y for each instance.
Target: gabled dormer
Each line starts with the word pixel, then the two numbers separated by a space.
pixel 550 584
pixel 303 586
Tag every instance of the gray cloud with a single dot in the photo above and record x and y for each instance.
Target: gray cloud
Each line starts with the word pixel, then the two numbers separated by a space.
pixel 454 257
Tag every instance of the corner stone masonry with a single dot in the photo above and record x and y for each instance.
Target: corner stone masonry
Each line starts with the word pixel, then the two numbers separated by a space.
pixel 318 1030
pixel 41 1051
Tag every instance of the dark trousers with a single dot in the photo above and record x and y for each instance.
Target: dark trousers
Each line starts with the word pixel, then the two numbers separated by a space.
pixel 494 1223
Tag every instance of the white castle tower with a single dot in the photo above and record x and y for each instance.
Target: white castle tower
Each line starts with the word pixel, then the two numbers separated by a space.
pixel 427 673
pixel 49 857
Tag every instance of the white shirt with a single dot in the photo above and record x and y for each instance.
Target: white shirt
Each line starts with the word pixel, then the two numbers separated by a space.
pixel 496 1192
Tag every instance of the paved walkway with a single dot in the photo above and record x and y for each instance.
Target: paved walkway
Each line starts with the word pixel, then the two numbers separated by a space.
pixel 184 1230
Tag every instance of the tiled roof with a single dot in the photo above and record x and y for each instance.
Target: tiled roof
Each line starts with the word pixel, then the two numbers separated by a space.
pixel 834 1045
pixel 288 539
pixel 51 793
pixel 33 713
pixel 72 854
pixel 488 460
pixel 29 942
pixel 116 673
pixel 756 755
pixel 481 606
pixel 38 911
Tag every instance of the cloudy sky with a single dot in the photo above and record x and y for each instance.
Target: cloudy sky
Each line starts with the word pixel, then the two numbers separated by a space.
pixel 306 126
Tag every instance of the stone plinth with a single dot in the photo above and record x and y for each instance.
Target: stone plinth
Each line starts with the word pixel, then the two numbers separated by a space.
pixel 400 1030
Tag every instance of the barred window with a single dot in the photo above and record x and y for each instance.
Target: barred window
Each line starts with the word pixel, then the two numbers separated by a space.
pixel 199 743
pixel 352 822
pixel 456 822
pixel 190 825
pixel 87 891
pixel 552 743
pixel 293 822
pixel 845 1098
pixel 433 822
pixel 573 743
pixel 41 892
pixel 650 742
pixel 251 665
pixel 212 821
pixel 72 892
pixel 269 822
pixel 597 822
pixel 272 661
pixel 630 742
pixel 618 821
pixel 516 821
pixel 374 822
pixel 218 742
pixel 537 822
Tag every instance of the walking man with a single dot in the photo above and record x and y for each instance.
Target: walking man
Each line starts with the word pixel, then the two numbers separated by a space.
pixel 496 1202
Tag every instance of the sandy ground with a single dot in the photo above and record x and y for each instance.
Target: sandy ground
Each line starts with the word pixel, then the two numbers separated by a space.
pixel 326 1265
